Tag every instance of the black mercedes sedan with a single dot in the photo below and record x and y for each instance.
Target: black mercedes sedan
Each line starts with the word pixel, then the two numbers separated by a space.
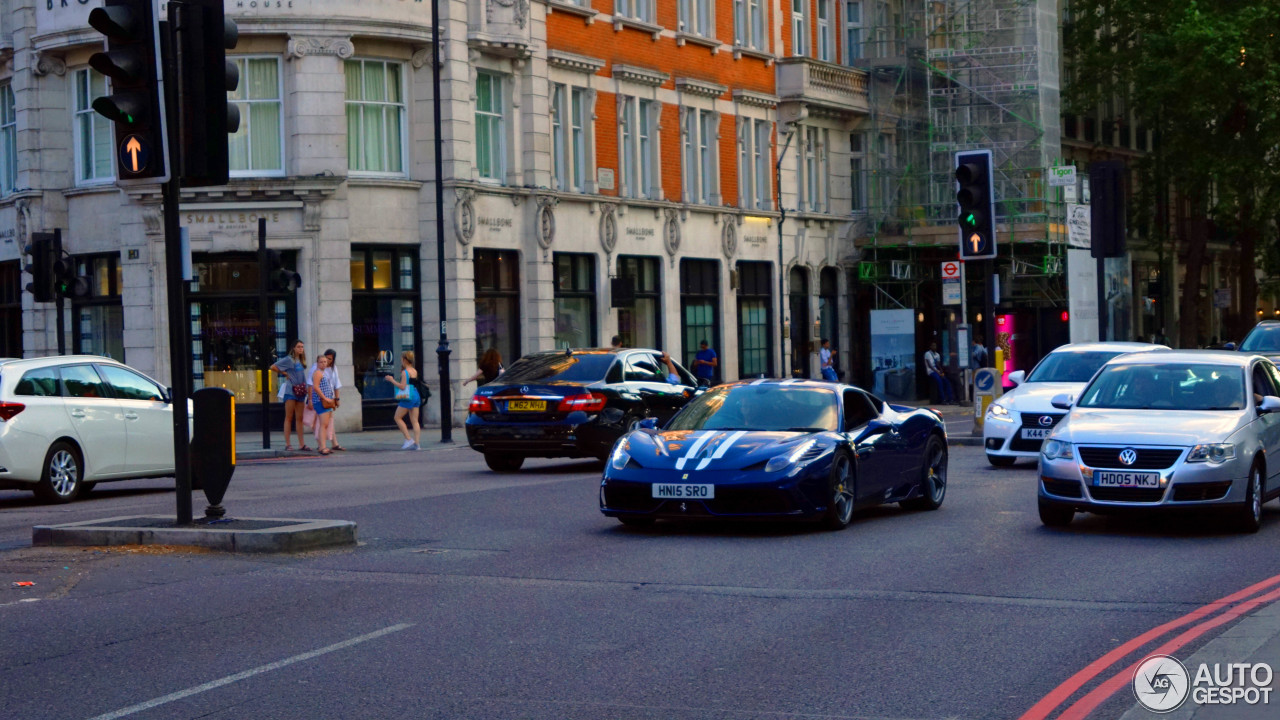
pixel 572 403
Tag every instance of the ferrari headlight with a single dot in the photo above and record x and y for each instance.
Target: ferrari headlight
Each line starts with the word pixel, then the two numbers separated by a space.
pixel 779 463
pixel 996 411
pixel 1057 449
pixel 621 455
pixel 1215 453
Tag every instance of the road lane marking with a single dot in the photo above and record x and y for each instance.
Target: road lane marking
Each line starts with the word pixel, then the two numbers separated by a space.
pixel 132 709
pixel 1071 685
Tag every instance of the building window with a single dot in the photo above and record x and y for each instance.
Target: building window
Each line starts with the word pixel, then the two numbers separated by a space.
pixel 375 116
pixel 858 171
pixel 385 307
pixel 640 324
pixel 814 170
pixel 798 300
pixel 748 24
pixel 635 9
pixel 498 303
pixel 11 309
pixel 696 17
pixel 852 31
pixel 575 300
pixel 826 38
pixel 755 307
pixel 701 181
pixel 93 139
pixel 99 316
pixel 8 141
pixel 828 312
pixel 257 148
pixel 799 29
pixel 754 142
pixel 491 141
pixel 568 137
pixel 636 157
pixel 699 306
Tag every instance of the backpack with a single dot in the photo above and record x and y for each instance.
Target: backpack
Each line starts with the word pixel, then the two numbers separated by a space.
pixel 424 392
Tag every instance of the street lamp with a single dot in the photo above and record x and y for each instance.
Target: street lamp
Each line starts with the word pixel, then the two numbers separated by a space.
pixel 782 217
pixel 442 350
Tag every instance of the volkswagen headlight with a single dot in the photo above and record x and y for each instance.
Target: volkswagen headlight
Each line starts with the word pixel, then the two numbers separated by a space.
pixel 996 411
pixel 621 454
pixel 779 463
pixel 1057 450
pixel 1213 453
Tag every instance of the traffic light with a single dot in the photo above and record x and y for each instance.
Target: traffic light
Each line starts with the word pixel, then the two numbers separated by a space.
pixel 136 103
pixel 45 249
pixel 975 196
pixel 279 277
pixel 203 35
pixel 1106 209
pixel 65 280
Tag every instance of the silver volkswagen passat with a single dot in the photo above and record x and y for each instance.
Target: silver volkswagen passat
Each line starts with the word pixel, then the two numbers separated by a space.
pixel 1167 430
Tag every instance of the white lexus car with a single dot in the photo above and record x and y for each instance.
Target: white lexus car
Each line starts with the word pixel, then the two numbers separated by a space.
pixel 1018 422
pixel 70 422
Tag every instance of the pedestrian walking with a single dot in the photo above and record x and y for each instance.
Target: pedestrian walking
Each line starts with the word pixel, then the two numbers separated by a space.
pixel 933 366
pixel 335 383
pixel 293 368
pixel 407 394
pixel 490 368
pixel 705 363
pixel 826 356
pixel 323 402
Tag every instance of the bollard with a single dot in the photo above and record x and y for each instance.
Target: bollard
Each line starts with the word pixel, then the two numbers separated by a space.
pixel 213 445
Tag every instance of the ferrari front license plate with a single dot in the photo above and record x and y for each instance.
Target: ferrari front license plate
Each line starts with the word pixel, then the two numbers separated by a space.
pixel 684 491
pixel 1035 433
pixel 1111 478
pixel 526 406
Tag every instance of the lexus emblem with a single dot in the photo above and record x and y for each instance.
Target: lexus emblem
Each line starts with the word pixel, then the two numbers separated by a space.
pixel 1046 420
pixel 1128 456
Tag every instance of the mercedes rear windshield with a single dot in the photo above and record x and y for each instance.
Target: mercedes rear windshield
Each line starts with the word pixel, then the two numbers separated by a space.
pixel 558 367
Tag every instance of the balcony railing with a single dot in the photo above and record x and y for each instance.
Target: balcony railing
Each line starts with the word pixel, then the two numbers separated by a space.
pixel 826 85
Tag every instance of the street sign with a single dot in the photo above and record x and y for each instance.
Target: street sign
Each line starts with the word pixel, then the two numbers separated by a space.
pixel 135 154
pixel 951 292
pixel 1078 226
pixel 984 380
pixel 1062 176
pixel 951 270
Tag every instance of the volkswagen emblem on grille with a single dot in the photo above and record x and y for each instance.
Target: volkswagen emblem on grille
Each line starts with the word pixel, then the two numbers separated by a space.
pixel 1128 456
pixel 524 389
pixel 1046 420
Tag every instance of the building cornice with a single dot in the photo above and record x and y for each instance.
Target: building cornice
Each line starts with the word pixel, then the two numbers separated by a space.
pixel 758 99
pixel 588 14
pixel 578 63
pixel 703 88
pixel 639 75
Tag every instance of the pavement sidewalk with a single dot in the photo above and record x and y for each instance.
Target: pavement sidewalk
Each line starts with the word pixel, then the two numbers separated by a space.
pixel 249 444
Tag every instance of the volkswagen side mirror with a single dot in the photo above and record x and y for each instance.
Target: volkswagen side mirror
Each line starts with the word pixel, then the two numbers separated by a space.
pixel 1269 404
pixel 1018 377
pixel 1062 402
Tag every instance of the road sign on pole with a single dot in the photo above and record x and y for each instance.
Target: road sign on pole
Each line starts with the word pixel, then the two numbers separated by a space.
pixel 951 270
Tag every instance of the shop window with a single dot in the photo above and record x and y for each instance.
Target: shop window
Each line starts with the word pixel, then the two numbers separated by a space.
pixel 699 306
pixel 497 287
pixel 386 321
pixel 799 306
pixel 99 316
pixel 575 300
pixel 640 325
pixel 755 308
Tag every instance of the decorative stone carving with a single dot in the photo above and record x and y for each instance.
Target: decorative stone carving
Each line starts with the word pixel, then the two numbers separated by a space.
pixel 728 238
pixel 545 221
pixel 702 88
pixel 300 47
pixel 521 6
pixel 757 99
pixel 421 57
pixel 464 215
pixel 152 219
pixel 43 63
pixel 608 227
pixel 639 75
pixel 671 231
pixel 23 208
pixel 311 215
pixel 570 61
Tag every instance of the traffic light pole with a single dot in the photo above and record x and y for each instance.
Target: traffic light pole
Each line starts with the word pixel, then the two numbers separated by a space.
pixel 179 347
pixel 57 300
pixel 264 348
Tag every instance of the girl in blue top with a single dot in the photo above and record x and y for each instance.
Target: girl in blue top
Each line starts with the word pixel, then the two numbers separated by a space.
pixel 322 402
pixel 409 399
pixel 293 368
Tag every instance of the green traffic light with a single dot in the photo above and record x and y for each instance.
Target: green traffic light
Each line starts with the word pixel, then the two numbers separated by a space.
pixel 969 218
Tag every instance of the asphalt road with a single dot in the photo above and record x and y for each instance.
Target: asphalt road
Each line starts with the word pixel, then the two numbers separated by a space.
pixel 476 595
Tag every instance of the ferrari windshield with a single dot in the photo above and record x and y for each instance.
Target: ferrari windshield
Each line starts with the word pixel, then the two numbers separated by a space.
pixel 1173 386
pixel 1070 367
pixel 760 407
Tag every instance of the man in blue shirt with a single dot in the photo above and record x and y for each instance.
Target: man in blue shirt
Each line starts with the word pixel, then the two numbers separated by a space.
pixel 705 363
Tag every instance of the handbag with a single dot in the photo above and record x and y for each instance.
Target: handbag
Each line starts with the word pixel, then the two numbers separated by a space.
pixel 403 393
pixel 327 402
pixel 299 390
pixel 308 416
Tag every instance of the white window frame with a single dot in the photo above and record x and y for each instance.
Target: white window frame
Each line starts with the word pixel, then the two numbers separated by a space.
pixel 498 172
pixel 82 75
pixel 8 140
pixel 402 106
pixel 638 175
pixel 642 10
pixel 763 164
pixel 697 17
pixel 699 129
pixel 814 181
pixel 858 171
pixel 570 108
pixel 799 27
pixel 755 138
pixel 826 40
pixel 244 114
pixel 853 29
pixel 748 24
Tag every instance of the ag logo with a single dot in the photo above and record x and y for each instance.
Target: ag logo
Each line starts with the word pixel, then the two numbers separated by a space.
pixel 1128 456
pixel 1046 420
pixel 1161 683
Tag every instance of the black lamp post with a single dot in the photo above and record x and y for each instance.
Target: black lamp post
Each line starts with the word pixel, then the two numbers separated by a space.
pixel 442 350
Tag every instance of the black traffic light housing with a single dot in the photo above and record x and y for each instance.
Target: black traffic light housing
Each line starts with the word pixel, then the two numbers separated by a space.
pixel 1106 209
pixel 45 250
pixel 975 197
pixel 65 280
pixel 202 36
pixel 135 106
pixel 279 277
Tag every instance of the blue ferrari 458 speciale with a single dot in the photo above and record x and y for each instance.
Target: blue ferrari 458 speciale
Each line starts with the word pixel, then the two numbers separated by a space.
pixel 776 449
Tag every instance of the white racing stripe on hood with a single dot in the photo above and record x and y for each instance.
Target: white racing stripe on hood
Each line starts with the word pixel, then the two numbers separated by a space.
pixel 694 448
pixel 720 451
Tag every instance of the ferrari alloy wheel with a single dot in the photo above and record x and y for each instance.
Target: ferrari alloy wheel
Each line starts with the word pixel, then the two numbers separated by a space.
pixel 503 462
pixel 933 477
pixel 1249 516
pixel 60 482
pixel 840 507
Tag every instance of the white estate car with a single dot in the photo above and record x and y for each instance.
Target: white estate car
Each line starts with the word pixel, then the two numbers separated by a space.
pixel 1018 422
pixel 67 423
